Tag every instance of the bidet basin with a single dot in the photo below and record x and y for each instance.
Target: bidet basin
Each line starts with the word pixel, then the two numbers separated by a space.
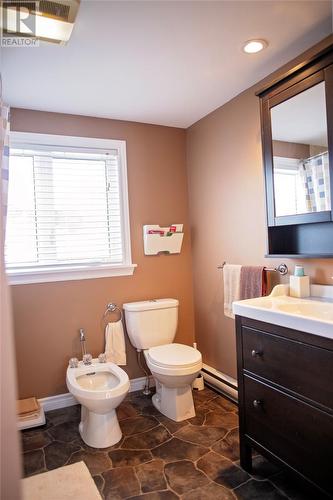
pixel 97 381
pixel 313 314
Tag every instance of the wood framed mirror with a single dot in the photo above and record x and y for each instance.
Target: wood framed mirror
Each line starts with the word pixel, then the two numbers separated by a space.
pixel 297 140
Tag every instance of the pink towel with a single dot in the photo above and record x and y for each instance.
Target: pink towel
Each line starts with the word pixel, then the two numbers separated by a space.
pixel 252 282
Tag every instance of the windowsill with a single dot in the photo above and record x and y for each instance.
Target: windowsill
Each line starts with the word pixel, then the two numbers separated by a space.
pixel 79 272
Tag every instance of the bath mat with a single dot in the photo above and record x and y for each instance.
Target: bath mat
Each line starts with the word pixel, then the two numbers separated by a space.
pixel 70 482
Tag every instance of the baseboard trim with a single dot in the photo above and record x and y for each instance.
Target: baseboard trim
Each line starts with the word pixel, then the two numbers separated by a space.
pixel 66 400
pixel 138 384
pixel 58 401
pixel 220 381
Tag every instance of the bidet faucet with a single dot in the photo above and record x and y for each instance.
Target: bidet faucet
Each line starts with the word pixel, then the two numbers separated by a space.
pixel 86 358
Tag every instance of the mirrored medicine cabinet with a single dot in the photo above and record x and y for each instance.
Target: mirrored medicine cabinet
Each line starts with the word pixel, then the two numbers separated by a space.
pixel 297 140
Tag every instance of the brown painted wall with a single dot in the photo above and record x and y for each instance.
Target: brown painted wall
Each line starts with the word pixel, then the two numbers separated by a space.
pixel 47 316
pixel 227 213
pixel 291 149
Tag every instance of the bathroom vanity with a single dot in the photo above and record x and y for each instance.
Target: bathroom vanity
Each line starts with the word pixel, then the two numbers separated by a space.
pixel 285 378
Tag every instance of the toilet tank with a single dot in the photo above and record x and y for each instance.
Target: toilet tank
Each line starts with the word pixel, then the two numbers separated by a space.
pixel 151 322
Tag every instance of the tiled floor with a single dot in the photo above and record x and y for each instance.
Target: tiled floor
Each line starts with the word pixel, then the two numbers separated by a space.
pixel 158 458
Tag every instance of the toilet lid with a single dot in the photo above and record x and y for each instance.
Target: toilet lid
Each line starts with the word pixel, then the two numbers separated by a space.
pixel 174 355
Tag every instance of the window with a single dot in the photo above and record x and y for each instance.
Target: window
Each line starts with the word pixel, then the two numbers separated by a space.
pixel 67 209
pixel 288 187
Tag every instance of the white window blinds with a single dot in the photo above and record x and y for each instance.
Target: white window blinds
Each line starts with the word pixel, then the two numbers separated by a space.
pixel 64 208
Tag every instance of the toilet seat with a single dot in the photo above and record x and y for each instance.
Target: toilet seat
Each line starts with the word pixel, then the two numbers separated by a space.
pixel 97 394
pixel 174 356
pixel 173 359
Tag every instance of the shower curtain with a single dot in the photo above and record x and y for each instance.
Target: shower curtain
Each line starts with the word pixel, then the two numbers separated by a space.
pixel 4 161
pixel 314 173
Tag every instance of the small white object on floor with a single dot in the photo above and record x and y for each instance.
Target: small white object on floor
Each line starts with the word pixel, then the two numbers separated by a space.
pixel 198 383
pixel 71 482
pixel 115 343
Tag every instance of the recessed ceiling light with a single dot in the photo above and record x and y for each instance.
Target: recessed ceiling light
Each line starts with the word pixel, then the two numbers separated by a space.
pixel 253 46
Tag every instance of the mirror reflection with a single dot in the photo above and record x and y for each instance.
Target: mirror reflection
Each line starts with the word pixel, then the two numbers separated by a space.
pixel 300 156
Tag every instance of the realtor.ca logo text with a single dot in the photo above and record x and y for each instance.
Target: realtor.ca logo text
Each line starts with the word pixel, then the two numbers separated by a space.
pixel 18 23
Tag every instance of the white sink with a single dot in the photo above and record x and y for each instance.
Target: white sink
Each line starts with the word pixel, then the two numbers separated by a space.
pixel 313 314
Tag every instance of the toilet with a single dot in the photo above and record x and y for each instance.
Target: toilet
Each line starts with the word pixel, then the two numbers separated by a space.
pixel 99 388
pixel 151 326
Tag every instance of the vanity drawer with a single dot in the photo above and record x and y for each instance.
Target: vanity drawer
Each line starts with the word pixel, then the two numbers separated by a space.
pixel 296 432
pixel 302 368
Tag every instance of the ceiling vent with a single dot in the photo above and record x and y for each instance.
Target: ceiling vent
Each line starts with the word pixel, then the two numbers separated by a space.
pixel 50 21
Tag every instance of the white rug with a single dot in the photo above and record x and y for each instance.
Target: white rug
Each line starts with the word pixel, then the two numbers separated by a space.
pixel 72 482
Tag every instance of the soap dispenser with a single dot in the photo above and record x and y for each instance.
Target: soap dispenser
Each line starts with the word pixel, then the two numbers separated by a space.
pixel 299 285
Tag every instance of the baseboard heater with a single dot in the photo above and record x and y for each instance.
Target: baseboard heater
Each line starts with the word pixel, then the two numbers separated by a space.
pixel 220 382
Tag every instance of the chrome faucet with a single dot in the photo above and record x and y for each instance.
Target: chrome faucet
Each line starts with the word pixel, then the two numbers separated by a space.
pixel 86 358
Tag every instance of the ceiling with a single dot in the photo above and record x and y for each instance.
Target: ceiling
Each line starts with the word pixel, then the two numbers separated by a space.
pixel 164 62
pixel 302 119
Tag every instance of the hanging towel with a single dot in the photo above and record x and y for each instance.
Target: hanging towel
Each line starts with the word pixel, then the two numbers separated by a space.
pixel 252 282
pixel 115 343
pixel 231 278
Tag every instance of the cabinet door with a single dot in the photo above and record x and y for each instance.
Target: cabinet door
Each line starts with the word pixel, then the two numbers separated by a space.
pixel 298 433
pixel 298 367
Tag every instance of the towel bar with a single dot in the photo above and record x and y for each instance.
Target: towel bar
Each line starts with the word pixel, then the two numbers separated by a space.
pixel 282 268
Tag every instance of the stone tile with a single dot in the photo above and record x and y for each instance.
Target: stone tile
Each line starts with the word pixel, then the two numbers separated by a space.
pixel 140 401
pixel 183 476
pixel 228 446
pixel 138 424
pixel 96 462
pixel 33 462
pixel 66 432
pixel 171 425
pixel 151 476
pixel 204 436
pixel 121 458
pixel 228 420
pixel 200 415
pixel 147 440
pixel 176 449
pixel 126 410
pixel 222 471
pixel 211 491
pixel 120 483
pixel 88 448
pixel 255 490
pixel 143 404
pixel 203 396
pixel 157 495
pixel 34 441
pixel 99 481
pixel 226 404
pixel 221 405
pixel 262 468
pixel 71 413
pixel 58 453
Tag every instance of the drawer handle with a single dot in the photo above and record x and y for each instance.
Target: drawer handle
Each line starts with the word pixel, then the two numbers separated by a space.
pixel 257 403
pixel 256 354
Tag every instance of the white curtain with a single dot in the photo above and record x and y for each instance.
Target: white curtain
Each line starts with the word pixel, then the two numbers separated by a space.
pixel 4 160
pixel 314 173
pixel 10 456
